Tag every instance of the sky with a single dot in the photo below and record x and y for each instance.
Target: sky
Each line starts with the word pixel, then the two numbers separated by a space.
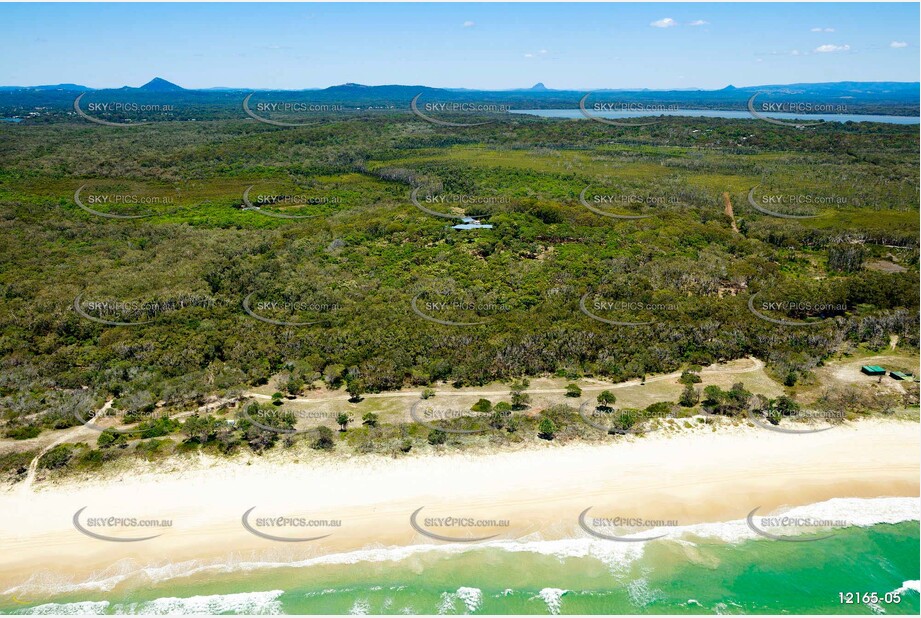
pixel 487 46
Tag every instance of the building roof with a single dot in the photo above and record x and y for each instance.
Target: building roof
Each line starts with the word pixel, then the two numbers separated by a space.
pixel 873 368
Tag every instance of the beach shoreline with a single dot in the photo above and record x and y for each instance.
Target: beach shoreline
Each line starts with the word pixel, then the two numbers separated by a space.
pixel 689 478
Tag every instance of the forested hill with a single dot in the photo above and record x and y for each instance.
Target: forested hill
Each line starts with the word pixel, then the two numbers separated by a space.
pixel 896 98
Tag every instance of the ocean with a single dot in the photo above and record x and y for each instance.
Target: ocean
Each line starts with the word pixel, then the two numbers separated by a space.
pixel 722 568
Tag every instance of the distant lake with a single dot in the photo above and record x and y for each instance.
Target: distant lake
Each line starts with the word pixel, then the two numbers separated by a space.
pixel 719 113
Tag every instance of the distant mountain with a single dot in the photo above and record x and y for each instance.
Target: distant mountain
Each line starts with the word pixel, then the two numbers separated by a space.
pixel 76 87
pixel 158 84
pixel 896 98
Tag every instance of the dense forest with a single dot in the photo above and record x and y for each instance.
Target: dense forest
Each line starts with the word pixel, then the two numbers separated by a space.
pixel 159 264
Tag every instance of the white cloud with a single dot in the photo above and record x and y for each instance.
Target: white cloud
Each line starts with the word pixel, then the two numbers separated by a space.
pixel 898 44
pixel 542 52
pixel 827 49
pixel 699 22
pixel 822 30
pixel 469 24
pixel 529 55
pixel 795 52
pixel 667 22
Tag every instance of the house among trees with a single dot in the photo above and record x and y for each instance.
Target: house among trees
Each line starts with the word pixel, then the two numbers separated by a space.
pixel 873 370
pixel 469 223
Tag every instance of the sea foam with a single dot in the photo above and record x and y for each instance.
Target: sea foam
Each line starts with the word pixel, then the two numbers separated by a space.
pixel 616 556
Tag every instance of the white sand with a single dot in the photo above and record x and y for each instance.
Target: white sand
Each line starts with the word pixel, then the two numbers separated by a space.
pixel 693 477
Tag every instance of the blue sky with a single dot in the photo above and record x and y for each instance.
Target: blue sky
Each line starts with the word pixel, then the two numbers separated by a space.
pixel 491 46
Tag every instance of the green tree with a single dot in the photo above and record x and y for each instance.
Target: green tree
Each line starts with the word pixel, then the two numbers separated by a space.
pixel 690 396
pixel 606 400
pixel 437 436
pixel 369 419
pixel 294 384
pixel 343 419
pixel 546 429
pixel 573 390
pixel 355 388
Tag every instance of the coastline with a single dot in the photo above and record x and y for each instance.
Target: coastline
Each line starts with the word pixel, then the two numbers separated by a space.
pixel 692 478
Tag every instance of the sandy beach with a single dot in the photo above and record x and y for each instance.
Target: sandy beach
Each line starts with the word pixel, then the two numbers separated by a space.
pixel 689 478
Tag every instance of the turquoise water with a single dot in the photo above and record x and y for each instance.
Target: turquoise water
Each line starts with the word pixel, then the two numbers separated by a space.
pixel 693 575
pixel 719 113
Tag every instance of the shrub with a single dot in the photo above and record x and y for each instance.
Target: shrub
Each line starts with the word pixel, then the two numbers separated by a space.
pixel 57 457
pixel 324 441
pixel 546 429
pixel 23 432
pixel 483 405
